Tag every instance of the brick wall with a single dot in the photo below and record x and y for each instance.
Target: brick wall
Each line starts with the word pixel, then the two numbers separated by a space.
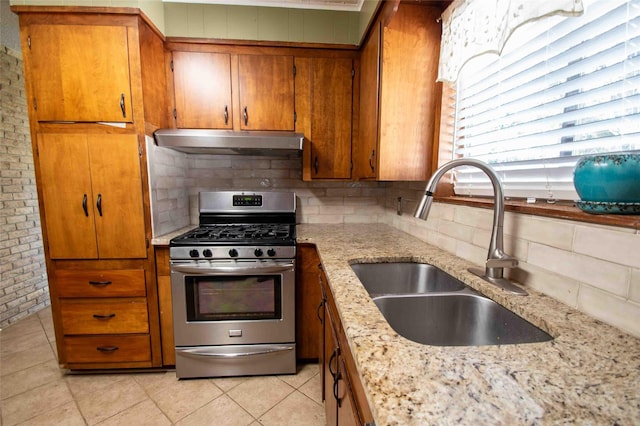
pixel 23 277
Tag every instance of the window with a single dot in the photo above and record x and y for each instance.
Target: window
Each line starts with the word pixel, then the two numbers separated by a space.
pixel 562 87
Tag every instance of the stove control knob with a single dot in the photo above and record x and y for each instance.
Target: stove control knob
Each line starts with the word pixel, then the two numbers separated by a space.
pixel 233 253
pixel 258 252
pixel 271 252
pixel 194 253
pixel 207 253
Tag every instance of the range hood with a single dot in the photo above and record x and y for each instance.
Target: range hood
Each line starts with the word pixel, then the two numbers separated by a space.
pixel 209 141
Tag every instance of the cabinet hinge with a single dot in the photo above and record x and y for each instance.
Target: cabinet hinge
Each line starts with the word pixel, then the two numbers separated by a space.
pixel 140 149
pixel 35 104
pixel 294 70
pixel 29 41
pixel 37 151
pixel 175 114
pixel 146 241
pixel 353 72
pixel 171 64
pixel 295 117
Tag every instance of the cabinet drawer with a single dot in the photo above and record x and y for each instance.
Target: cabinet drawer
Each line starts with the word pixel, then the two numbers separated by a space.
pixel 96 349
pixel 104 316
pixel 100 283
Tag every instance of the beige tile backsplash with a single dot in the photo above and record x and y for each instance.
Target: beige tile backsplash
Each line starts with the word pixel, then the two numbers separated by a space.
pixel 592 268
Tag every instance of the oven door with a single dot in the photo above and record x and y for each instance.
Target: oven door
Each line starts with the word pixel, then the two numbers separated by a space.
pixel 233 302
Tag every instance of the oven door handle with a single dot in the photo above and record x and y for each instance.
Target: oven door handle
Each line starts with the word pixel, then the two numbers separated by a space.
pixel 197 353
pixel 231 269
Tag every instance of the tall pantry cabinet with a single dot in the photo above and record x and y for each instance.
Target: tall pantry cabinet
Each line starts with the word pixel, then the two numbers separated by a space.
pixel 94 90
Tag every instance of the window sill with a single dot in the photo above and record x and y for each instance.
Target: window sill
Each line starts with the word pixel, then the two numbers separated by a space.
pixel 561 210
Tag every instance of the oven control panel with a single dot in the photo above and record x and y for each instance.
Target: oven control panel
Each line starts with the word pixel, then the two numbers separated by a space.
pixel 247 200
pixel 239 252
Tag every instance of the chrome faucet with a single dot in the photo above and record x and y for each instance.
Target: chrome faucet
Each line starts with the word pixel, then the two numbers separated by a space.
pixel 497 259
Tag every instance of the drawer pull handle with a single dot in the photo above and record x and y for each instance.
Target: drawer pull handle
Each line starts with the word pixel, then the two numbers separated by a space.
pixel 107 349
pixel 99 283
pixel 109 316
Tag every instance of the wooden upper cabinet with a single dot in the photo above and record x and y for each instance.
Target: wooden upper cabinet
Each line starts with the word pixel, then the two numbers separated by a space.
pixel 79 72
pixel 324 103
pixel 231 91
pixel 202 84
pixel 398 115
pixel 92 196
pixel 266 89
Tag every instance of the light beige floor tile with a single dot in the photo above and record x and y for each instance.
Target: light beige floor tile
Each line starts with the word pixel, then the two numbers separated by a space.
pixel 83 385
pixel 259 394
pixel 27 325
pixel 228 383
pixel 34 402
pixel 18 342
pixel 16 361
pixel 67 415
pixel 313 388
pixel 143 414
pixel 305 372
pixel 29 378
pixel 110 400
pixel 184 397
pixel 222 411
pixel 296 409
pixel 156 382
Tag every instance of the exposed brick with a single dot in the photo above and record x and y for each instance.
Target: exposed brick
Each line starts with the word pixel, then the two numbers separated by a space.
pixel 23 276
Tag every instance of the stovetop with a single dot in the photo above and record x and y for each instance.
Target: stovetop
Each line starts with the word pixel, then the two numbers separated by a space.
pixel 238 234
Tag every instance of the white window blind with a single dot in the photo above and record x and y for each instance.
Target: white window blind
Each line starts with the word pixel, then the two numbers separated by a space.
pixel 563 87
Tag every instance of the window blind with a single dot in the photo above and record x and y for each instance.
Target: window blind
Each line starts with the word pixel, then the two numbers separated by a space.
pixel 563 87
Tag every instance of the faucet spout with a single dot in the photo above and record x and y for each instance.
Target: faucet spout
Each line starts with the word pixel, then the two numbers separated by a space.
pixel 497 259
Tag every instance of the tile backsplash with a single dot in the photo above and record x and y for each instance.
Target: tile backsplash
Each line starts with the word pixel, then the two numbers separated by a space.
pixel 592 268
pixel 177 178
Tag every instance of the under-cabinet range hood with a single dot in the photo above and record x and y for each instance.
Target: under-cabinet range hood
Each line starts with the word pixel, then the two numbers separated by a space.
pixel 208 141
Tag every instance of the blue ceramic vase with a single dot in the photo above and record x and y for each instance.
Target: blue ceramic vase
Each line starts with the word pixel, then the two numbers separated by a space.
pixel 609 178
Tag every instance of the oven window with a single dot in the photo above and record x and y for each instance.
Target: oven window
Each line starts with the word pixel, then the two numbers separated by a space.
pixel 232 298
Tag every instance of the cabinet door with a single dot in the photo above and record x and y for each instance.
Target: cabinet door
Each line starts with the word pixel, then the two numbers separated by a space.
pixel 117 188
pixel 408 97
pixel 92 196
pixel 347 414
pixel 202 84
pixel 67 197
pixel 80 73
pixel 266 92
pixel 365 152
pixel 331 366
pixel 308 298
pixel 331 122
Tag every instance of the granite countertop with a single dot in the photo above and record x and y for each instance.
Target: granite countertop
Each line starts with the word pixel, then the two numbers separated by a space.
pixel 163 240
pixel 589 373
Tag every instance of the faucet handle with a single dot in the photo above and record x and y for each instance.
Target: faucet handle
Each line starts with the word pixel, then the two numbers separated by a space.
pixel 508 262
pixel 499 259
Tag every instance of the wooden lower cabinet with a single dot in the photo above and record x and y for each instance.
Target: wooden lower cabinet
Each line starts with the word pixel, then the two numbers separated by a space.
pixel 343 394
pixel 105 315
pixel 308 298
pixel 108 349
pixel 163 271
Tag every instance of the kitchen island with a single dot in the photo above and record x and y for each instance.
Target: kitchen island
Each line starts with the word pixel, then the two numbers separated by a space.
pixel 588 374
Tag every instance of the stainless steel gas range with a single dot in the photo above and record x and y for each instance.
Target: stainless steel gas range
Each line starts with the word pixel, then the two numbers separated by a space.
pixel 233 286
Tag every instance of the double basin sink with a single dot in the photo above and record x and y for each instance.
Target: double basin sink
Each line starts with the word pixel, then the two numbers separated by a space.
pixel 429 306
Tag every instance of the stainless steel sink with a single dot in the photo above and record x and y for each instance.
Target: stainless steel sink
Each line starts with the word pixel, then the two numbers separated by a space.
pixel 425 304
pixel 404 278
pixel 456 319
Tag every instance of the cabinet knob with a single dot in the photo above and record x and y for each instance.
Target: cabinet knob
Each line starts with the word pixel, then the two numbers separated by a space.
pixel 245 114
pixel 226 115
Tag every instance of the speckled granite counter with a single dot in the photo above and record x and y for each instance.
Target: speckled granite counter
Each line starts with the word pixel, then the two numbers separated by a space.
pixel 163 240
pixel 589 374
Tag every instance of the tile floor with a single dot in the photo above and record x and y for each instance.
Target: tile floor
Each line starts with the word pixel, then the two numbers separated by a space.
pixel 34 391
